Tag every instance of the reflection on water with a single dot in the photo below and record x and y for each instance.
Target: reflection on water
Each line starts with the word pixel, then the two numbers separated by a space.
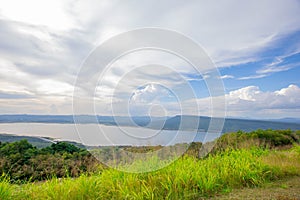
pixel 102 135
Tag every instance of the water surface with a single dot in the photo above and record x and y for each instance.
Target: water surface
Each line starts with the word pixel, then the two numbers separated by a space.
pixel 103 135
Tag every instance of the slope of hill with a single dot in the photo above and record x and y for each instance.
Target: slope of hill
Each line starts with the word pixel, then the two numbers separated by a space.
pixel 39 142
pixel 35 141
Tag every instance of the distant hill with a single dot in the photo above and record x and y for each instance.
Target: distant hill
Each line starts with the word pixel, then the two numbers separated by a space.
pixel 36 118
pixel 288 120
pixel 35 141
pixel 230 125
pixel 39 142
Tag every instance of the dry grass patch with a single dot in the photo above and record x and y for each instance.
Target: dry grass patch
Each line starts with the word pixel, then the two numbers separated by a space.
pixel 285 163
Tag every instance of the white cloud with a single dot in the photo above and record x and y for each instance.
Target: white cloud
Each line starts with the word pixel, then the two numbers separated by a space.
pixel 247 93
pixel 291 90
pixel 278 63
pixel 274 69
pixel 253 102
pixel 250 102
pixel 231 31
pixel 152 99
pixel 147 94
pixel 271 68
pixel 54 87
pixel 35 12
pixel 252 77
pixel 142 68
pixel 227 77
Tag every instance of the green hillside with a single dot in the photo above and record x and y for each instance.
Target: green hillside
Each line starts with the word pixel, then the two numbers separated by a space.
pixel 238 160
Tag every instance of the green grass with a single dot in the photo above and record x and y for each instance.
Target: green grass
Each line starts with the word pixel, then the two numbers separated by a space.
pixel 237 161
pixel 6 190
pixel 186 178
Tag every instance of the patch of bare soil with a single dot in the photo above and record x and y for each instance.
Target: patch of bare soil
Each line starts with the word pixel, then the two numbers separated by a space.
pixel 287 189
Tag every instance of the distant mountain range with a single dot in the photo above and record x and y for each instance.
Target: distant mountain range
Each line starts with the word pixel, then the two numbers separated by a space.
pixel 70 119
pixel 230 125
pixel 288 120
pixel 168 123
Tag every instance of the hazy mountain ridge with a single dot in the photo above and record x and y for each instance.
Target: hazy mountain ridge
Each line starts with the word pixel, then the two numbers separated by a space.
pixel 70 119
pixel 230 124
pixel 288 120
pixel 169 123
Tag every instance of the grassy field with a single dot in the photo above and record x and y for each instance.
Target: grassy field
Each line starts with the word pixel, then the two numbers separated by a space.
pixel 186 178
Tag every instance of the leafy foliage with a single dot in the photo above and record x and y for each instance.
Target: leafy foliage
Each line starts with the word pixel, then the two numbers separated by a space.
pixel 23 162
pixel 186 178
pixel 260 138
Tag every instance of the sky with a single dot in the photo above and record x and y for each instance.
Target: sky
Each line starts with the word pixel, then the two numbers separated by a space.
pixel 254 45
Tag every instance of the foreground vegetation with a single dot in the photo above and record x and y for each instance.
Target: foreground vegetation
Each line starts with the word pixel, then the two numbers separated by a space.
pixel 22 162
pixel 233 164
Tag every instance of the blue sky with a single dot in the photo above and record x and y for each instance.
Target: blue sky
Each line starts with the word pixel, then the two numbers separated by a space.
pixel 255 45
pixel 276 67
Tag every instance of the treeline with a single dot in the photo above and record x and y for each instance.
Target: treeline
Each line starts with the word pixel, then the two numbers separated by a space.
pixel 21 161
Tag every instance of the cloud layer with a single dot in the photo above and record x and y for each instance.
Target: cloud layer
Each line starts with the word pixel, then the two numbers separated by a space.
pixel 43 45
pixel 252 102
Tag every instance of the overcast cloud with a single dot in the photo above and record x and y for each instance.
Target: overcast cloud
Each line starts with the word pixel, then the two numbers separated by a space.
pixel 43 44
